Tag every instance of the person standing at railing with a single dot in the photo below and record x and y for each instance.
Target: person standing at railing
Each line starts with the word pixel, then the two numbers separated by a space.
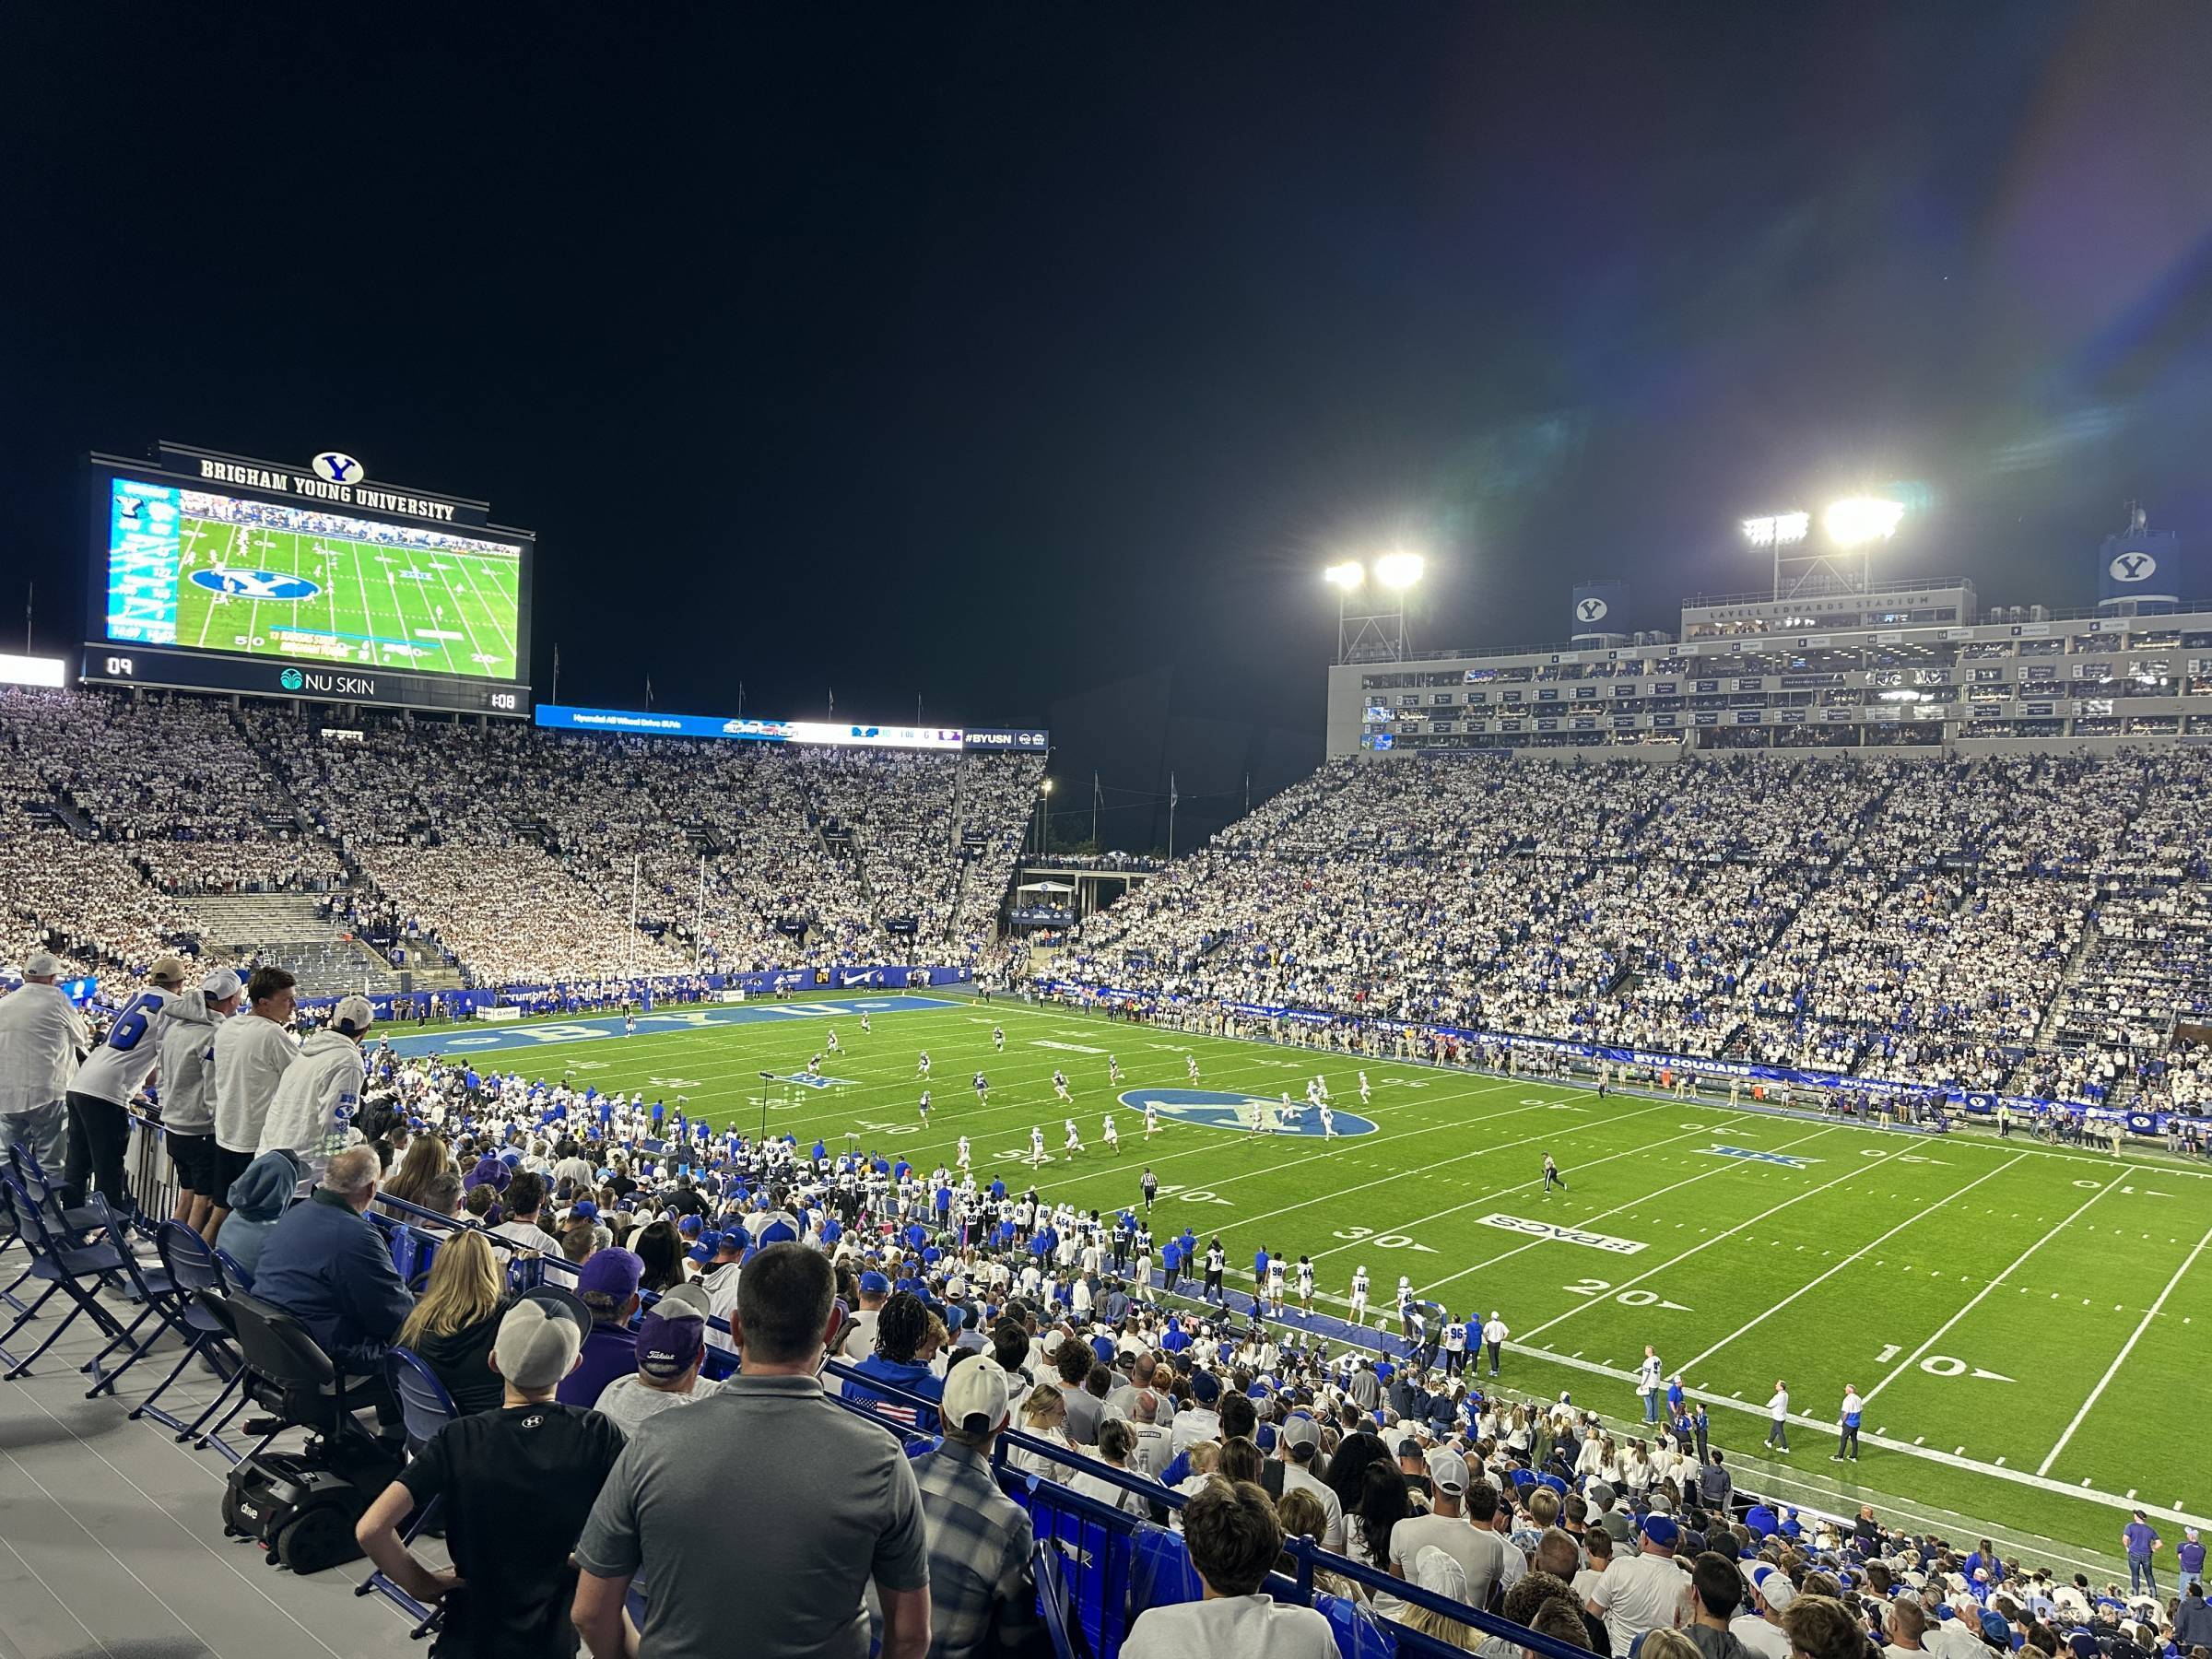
pixel 311 1115
pixel 252 1055
pixel 112 1074
pixel 188 1094
pixel 42 1039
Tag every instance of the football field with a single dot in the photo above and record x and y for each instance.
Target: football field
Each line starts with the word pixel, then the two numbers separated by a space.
pixel 2019 1318
pixel 326 598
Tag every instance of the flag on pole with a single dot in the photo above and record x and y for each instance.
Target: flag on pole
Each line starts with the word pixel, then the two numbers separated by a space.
pixel 1171 796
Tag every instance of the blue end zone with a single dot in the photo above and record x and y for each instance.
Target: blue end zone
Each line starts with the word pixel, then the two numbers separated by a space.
pixel 492 1039
pixel 1215 1109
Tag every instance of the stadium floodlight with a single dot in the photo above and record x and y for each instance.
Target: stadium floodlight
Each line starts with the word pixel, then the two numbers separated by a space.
pixel 1346 576
pixel 1399 571
pixel 1048 787
pixel 1857 520
pixel 1777 529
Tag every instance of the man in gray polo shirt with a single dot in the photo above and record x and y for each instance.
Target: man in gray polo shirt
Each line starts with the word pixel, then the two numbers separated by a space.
pixel 760 1512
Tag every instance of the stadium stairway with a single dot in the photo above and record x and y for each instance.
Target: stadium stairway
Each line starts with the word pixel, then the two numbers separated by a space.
pixel 112 1536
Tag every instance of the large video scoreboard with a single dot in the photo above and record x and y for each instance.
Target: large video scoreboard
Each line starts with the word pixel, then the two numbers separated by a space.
pixel 218 574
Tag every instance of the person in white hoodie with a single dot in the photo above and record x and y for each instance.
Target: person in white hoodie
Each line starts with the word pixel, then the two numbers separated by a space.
pixel 187 1093
pixel 312 1114
pixel 42 1038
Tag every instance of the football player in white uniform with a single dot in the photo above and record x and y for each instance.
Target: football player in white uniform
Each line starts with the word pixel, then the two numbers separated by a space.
pixel 1111 1137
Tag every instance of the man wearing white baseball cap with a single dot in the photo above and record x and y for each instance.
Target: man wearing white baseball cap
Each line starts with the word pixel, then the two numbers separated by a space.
pixel 980 1540
pixel 1771 1594
pixel 41 1040
pixel 187 1093
pixel 100 1127
pixel 312 1112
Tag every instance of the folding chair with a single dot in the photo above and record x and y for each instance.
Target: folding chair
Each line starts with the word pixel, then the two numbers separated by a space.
pixel 11 1237
pixel 160 1300
pixel 74 1270
pixel 197 1271
pixel 206 1429
pixel 72 1222
pixel 425 1407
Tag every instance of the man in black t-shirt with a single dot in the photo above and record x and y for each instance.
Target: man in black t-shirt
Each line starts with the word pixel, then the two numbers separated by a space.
pixel 518 1484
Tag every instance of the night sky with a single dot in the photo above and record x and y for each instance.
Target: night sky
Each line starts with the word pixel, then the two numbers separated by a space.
pixel 1034 359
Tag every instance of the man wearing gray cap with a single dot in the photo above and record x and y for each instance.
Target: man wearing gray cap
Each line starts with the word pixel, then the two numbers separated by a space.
pixel 99 1126
pixel 41 1040
pixel 1298 1442
pixel 187 1092
pixel 1480 1551
pixel 517 1483
pixel 311 1115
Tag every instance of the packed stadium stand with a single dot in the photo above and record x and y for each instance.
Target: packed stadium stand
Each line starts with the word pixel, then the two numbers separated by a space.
pixel 512 855
pixel 1981 925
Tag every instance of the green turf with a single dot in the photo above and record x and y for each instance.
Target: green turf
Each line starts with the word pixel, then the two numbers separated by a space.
pixel 442 611
pixel 1979 1293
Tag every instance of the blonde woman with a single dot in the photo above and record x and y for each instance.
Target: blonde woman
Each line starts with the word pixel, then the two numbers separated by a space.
pixel 1302 1517
pixel 1519 1436
pixel 452 1322
pixel 1668 1645
pixel 1043 1418
pixel 1206 1462
pixel 1440 1574
pixel 1591 1460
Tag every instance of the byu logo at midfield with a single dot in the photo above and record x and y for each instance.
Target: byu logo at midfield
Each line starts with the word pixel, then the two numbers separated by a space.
pixel 1592 610
pixel 1217 1109
pixel 2134 567
pixel 334 466
pixel 260 586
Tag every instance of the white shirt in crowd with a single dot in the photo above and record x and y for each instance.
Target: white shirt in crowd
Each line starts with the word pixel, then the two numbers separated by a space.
pixel 252 1055
pixel 1235 1627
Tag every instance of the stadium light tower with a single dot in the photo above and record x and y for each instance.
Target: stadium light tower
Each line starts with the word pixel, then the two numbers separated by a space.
pixel 1376 633
pixel 1843 563
pixel 1044 820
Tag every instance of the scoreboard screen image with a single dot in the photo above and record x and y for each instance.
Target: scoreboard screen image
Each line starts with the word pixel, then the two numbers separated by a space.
pixel 206 572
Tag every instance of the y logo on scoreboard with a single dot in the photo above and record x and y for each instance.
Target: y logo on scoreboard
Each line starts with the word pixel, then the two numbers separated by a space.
pixel 1213 1109
pixel 335 466
pixel 270 587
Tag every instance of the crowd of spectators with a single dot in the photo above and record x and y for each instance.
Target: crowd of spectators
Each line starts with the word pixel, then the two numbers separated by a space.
pixel 977 1313
pixel 1914 921
pixel 512 853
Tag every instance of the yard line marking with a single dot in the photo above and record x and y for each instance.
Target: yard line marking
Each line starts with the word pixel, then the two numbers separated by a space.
pixel 1602 1215
pixel 1913 1358
pixel 1400 1175
pixel 1846 1262
pixel 1704 1244
pixel 2114 1370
